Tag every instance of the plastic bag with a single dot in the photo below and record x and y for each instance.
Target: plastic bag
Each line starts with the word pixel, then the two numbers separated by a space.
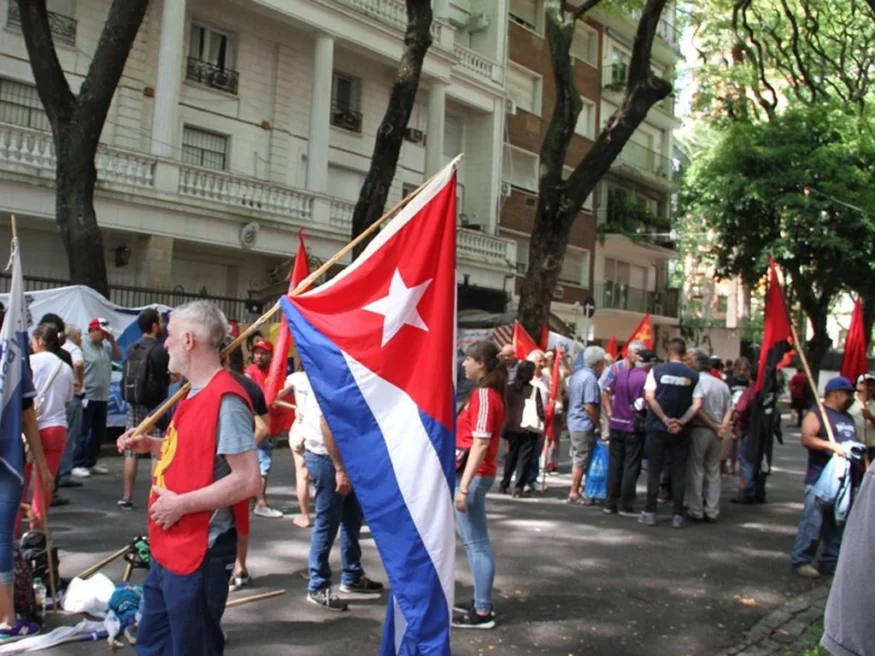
pixel 90 596
pixel 597 476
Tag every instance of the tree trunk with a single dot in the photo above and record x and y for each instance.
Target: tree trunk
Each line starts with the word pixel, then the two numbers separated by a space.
pixel 390 136
pixel 817 310
pixel 559 201
pixel 76 177
pixel 77 121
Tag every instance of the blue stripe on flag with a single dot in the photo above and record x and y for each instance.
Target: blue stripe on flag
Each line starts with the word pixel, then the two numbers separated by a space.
pixel 415 582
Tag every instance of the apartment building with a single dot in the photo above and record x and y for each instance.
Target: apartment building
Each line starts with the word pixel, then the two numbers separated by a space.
pixel 239 123
pixel 631 266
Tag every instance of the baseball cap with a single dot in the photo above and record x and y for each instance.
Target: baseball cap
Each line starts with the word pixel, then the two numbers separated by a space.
pixel 262 344
pixel 865 378
pixel 839 383
pixel 99 323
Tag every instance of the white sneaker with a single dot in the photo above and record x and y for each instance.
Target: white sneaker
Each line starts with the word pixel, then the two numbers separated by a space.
pixel 100 470
pixel 80 472
pixel 267 511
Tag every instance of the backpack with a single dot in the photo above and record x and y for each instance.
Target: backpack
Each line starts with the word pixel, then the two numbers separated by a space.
pixel 139 383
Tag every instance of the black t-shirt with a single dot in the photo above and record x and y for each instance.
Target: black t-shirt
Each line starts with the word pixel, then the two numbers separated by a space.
pixel 256 396
pixel 736 386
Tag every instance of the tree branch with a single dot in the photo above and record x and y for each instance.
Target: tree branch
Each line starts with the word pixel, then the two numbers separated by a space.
pixel 755 54
pixel 116 40
pixel 586 6
pixel 51 83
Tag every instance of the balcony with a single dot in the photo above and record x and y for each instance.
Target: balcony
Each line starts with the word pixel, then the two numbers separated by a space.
pixel 611 295
pixel 645 160
pixel 635 221
pixel 480 248
pixel 479 66
pixel 215 77
pixel 340 214
pixel 344 116
pixel 63 28
pixel 668 33
pixel 616 76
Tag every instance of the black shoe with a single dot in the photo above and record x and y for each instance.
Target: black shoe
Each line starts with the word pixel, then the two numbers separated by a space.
pixel 629 512
pixel 70 483
pixel 363 586
pixel 462 609
pixel 125 504
pixel 58 501
pixel 327 599
pixel 473 620
pixel 610 510
pixel 744 501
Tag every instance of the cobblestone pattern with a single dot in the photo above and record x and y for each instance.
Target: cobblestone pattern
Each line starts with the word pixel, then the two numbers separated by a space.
pixel 782 632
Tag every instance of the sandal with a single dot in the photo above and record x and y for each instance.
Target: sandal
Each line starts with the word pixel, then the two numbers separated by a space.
pixel 576 500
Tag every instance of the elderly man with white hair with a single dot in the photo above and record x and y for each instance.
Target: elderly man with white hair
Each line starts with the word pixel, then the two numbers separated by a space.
pixel 207 465
pixel 584 408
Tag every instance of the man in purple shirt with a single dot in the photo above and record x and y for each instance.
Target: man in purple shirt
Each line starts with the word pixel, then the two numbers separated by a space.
pixel 625 410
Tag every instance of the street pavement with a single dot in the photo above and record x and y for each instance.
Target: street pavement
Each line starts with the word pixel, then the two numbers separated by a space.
pixel 570 580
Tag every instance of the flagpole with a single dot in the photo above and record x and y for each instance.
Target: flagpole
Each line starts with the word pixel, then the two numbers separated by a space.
pixel 14 226
pixel 149 422
pixel 811 381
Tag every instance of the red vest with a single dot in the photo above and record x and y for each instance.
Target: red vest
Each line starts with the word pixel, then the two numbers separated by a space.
pixel 187 460
pixel 281 419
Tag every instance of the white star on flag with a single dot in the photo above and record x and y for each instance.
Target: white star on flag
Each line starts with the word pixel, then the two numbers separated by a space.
pixel 399 307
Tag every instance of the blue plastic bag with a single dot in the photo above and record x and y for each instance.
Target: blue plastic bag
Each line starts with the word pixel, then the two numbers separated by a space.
pixel 597 476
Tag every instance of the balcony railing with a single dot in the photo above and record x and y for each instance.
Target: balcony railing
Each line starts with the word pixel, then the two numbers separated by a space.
pixel 646 160
pixel 216 77
pixel 485 249
pixel 340 214
pixel 344 116
pixel 33 149
pixel 390 12
pixel 479 65
pixel 245 193
pixel 63 28
pixel 636 222
pixel 611 295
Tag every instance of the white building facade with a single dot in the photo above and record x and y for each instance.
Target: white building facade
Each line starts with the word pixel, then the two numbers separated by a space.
pixel 238 124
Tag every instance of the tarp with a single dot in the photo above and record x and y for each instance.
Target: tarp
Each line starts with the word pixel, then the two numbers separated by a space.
pixel 78 305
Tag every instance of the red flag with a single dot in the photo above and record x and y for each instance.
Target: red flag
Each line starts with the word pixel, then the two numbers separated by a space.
pixel 776 348
pixel 276 375
pixel 855 362
pixel 612 348
pixel 523 344
pixel 644 332
pixel 545 337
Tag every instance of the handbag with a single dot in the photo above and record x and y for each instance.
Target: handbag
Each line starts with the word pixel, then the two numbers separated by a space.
pixel 531 421
pixel 38 401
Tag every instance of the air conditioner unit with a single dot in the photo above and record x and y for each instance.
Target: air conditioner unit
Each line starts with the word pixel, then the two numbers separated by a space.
pixel 558 292
pixel 505 189
pixel 509 107
pixel 478 22
pixel 414 135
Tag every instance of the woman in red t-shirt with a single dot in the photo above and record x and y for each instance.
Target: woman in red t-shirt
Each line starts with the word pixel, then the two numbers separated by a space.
pixel 478 434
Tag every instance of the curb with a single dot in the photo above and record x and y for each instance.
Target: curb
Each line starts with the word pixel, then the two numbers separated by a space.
pixel 783 631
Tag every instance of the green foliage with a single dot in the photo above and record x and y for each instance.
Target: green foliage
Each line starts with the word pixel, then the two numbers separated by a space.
pixel 784 188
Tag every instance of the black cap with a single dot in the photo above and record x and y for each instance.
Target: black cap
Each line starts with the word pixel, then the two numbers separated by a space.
pixel 647 357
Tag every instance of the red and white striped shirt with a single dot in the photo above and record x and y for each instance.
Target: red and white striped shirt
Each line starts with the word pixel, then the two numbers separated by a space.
pixel 482 418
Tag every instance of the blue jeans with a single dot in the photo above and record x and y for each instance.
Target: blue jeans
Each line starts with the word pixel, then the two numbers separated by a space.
pixel 10 497
pixel 264 457
pixel 817 525
pixel 93 434
pixel 333 512
pixel 182 614
pixel 74 433
pixel 754 479
pixel 472 528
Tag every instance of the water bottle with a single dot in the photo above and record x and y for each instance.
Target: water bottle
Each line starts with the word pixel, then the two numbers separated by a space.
pixel 39 593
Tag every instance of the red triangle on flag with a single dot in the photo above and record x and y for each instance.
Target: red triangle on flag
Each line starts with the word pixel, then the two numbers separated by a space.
pixel 855 362
pixel 523 344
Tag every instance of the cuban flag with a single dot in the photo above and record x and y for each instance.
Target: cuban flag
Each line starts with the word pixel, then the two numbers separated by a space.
pixel 377 343
pixel 16 383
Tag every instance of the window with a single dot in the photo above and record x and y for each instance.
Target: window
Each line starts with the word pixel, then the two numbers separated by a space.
pixel 345 97
pixel 528 13
pixel 575 267
pixel 408 188
pixel 210 59
pixel 62 23
pixel 453 132
pixel 203 148
pixel 522 255
pixel 722 304
pixel 585 45
pixel 524 89
pixel 345 183
pixel 20 104
pixel 617 73
pixel 586 120
pixel 520 169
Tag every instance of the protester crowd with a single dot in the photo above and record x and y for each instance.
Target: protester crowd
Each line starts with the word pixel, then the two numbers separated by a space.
pixel 687 421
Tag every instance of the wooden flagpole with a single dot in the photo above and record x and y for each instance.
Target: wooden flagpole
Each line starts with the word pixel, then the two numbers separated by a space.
pixel 149 422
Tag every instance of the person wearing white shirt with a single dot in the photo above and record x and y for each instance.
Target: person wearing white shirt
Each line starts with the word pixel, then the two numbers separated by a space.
pixel 307 422
pixel 53 381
